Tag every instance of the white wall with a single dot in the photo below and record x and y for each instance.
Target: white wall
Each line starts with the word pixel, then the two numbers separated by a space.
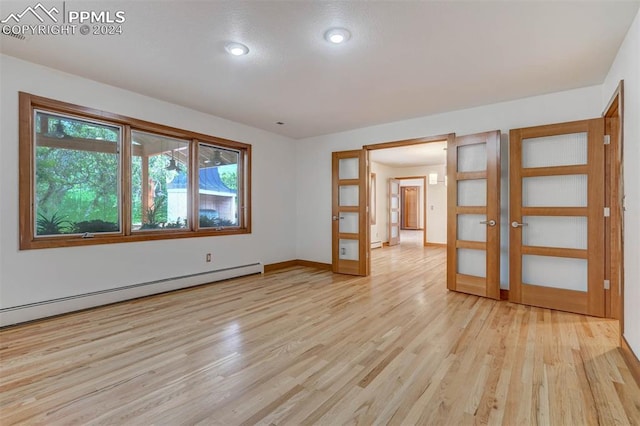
pixel 627 67
pixel 38 275
pixel 313 173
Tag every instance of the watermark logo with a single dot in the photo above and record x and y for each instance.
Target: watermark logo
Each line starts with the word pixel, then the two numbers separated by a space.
pixel 16 17
pixel 62 20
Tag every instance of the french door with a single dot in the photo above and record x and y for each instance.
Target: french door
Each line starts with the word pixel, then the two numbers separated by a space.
pixel 473 214
pixel 350 216
pixel 557 216
pixel 394 212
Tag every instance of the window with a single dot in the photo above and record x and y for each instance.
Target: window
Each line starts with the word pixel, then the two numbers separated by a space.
pixel 218 187
pixel 159 182
pixel 77 163
pixel 93 177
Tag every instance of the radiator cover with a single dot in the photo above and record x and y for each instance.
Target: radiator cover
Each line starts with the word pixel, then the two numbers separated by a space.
pixel 47 308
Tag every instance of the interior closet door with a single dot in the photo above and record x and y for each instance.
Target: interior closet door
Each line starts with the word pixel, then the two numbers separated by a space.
pixel 473 214
pixel 350 213
pixel 557 216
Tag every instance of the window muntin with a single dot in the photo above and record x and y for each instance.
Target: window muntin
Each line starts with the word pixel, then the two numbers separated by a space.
pixel 159 182
pixel 77 168
pixel 219 177
pixel 100 136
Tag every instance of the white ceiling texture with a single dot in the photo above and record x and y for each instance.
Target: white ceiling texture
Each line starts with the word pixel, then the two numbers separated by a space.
pixel 405 59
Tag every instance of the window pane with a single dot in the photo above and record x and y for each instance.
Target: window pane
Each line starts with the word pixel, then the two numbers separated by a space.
pixel 218 187
pixel 349 250
pixel 472 158
pixel 555 231
pixel 556 272
pixel 556 150
pixel 472 192
pixel 159 182
pixel 76 176
pixel 471 228
pixel 472 262
pixel 555 191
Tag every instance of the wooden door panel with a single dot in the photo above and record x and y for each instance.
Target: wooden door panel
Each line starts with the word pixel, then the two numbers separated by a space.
pixel 394 212
pixel 350 214
pixel 557 177
pixel 473 214
pixel 410 211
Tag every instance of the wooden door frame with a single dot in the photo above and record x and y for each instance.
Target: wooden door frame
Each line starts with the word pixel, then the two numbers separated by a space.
pixel 447 137
pixel 614 231
pixel 424 202
pixel 614 239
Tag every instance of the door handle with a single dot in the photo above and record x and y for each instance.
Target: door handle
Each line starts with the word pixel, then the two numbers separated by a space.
pixel 515 224
pixel 489 222
pixel 337 217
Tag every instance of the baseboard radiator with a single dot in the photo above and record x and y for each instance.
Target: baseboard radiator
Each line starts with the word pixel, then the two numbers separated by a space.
pixel 48 308
pixel 376 244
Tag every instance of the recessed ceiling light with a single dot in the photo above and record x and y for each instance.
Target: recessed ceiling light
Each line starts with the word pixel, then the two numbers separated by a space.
pixel 236 49
pixel 337 35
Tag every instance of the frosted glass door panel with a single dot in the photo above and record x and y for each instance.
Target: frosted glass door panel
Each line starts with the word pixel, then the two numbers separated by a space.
pixel 556 272
pixel 348 195
pixel 349 223
pixel 395 188
pixel 472 262
pixel 472 158
pixel 394 217
pixel 470 228
pixel 558 150
pixel 555 191
pixel 394 205
pixel 348 250
pixel 555 231
pixel 472 192
pixel 394 231
pixel 348 168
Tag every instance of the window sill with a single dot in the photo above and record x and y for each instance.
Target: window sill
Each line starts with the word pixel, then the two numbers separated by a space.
pixel 77 240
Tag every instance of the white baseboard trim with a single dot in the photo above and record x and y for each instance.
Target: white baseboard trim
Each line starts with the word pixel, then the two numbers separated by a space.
pixel 376 244
pixel 48 308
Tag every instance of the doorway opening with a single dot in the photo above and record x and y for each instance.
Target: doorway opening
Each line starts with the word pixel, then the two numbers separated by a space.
pixel 410 193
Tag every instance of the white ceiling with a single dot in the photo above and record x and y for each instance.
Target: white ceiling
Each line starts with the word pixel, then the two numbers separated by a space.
pixel 426 154
pixel 404 60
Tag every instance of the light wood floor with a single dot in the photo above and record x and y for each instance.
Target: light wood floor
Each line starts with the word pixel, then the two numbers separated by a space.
pixel 302 346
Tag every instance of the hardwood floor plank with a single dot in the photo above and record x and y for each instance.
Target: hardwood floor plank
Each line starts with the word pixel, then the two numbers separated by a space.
pixel 305 346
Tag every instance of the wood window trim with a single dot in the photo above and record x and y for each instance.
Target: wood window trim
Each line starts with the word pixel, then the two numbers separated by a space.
pixel 28 240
